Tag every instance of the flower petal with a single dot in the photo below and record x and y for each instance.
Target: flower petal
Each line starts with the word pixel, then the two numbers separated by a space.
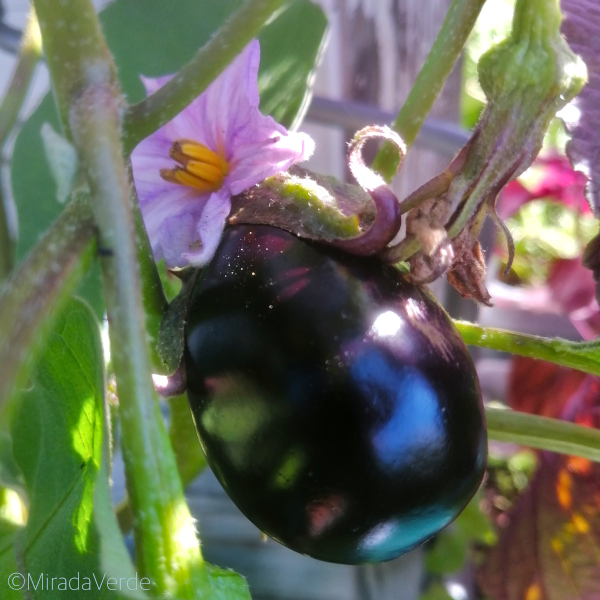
pixel 184 224
pixel 210 227
pixel 175 237
pixel 256 161
pixel 148 158
pixel 224 107
pixel 154 83
pixel 175 201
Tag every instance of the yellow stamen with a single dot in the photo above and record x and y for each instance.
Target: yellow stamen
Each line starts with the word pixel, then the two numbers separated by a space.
pixel 182 177
pixel 208 172
pixel 199 152
pixel 201 168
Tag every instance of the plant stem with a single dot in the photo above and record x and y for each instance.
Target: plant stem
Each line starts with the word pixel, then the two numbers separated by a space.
pixel 161 514
pixel 75 50
pixel 583 356
pixel 543 433
pixel 89 98
pixel 39 289
pixel 166 546
pixel 153 294
pixel 189 456
pixel 440 61
pixel 29 54
pixel 147 116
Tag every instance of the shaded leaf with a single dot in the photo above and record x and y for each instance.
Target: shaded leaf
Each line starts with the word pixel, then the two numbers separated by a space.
pixel 448 553
pixel 289 61
pixel 582 30
pixel 435 591
pixel 163 39
pixel 57 431
pixel 10 474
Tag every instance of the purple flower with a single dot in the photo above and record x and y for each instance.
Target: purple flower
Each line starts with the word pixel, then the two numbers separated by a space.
pixel 186 172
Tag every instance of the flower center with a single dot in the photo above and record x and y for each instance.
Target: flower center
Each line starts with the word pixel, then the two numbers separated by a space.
pixel 201 168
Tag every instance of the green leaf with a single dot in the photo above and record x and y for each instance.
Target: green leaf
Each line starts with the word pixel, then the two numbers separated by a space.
pixel 448 553
pixel 291 46
pixel 163 39
pixel 435 591
pixel 450 547
pixel 226 584
pixel 184 439
pixel 8 562
pixel 35 194
pixel 57 430
pixel 62 159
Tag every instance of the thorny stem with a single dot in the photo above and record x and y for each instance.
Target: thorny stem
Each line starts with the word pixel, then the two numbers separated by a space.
pixel 39 289
pixel 543 433
pixel 150 114
pixel 443 55
pixel 29 54
pixel 583 356
pixel 89 99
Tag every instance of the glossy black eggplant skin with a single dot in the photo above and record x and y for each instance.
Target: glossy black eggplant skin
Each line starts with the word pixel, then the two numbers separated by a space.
pixel 335 402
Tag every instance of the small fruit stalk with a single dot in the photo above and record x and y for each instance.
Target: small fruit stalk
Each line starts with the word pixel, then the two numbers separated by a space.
pixel 526 78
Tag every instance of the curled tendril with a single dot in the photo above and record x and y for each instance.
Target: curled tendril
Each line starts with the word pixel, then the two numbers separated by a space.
pixel 388 213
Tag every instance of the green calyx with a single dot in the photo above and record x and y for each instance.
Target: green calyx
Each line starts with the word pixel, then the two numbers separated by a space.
pixel 527 78
pixel 316 204
pixel 535 62
pixel 312 206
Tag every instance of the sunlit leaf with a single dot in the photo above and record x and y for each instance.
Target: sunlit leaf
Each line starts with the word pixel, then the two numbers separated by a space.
pixel 8 562
pixel 57 432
